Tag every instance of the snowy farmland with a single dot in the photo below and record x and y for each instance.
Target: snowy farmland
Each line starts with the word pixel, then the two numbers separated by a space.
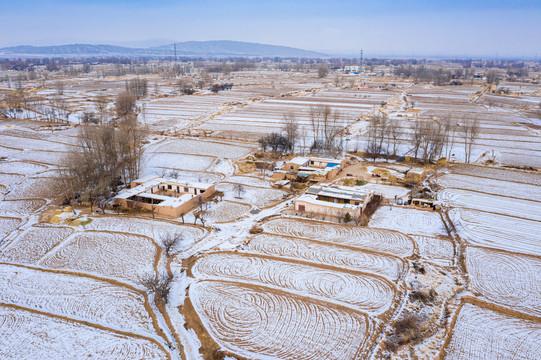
pixel 250 277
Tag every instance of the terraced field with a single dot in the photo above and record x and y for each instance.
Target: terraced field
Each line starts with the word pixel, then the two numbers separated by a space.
pixel 256 196
pixel 439 251
pixel 491 186
pixel 97 253
pixel 21 207
pixel 507 279
pixel 481 333
pixel 93 300
pixel 226 211
pixel 492 203
pixel 240 296
pixel 369 294
pixel 34 243
pixel 343 257
pixel 408 221
pixel 496 212
pixel 231 150
pixel 41 336
pixel 380 240
pixel 7 225
pixel 155 229
pixel 254 323
pixel 498 231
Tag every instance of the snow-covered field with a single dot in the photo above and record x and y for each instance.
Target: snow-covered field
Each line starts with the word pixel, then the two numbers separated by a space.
pixel 21 207
pixel 93 300
pixel 439 251
pixel 255 196
pixel 335 255
pixel 498 231
pixel 154 229
pixel 300 289
pixel 39 336
pixel 481 333
pixel 250 321
pixel 507 279
pixel 34 243
pixel 174 161
pixel 225 211
pixel 32 188
pixel 231 150
pixel 408 221
pixel 249 180
pixel 387 241
pixel 7 225
pixel 491 186
pixel 21 168
pixel 492 203
pixel 116 255
pixel 369 294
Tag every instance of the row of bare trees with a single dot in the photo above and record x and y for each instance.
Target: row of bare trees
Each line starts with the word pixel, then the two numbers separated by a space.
pixel 429 139
pixel 325 124
pixel 105 157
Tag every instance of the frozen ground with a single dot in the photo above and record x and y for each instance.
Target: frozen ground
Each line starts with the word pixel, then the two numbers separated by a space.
pixel 409 221
pixel 264 285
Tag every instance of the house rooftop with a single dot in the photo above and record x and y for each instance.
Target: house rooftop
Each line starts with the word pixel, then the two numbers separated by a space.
pixel 298 160
pixel 312 199
pixel 155 180
pixel 337 192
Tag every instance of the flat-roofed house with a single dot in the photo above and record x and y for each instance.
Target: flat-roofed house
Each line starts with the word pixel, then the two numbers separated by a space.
pixel 333 201
pixel 167 197
pixel 314 168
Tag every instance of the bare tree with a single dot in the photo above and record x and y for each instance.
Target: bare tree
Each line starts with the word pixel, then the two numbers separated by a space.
pixel 492 77
pixel 101 102
pixel 470 131
pixel 291 129
pixel 449 127
pixel 394 134
pixel 315 121
pixel 159 285
pixel 331 126
pixel 105 156
pixel 416 135
pixel 239 189
pixel 432 140
pixel 59 85
pixel 376 135
pixel 171 243
pixel 137 87
pixel 323 71
pixel 125 104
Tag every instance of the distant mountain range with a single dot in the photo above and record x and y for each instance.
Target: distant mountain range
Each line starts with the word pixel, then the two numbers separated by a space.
pixel 219 48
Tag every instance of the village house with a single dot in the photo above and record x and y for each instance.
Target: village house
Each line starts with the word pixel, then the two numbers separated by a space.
pixel 312 168
pixel 167 197
pixel 333 201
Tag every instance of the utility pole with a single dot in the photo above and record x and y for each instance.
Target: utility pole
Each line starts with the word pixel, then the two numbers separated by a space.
pixel 361 68
pixel 175 45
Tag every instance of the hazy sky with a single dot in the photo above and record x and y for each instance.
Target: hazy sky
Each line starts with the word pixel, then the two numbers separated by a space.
pixel 380 27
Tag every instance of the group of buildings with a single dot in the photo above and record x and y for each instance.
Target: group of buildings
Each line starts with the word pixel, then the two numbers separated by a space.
pixel 174 198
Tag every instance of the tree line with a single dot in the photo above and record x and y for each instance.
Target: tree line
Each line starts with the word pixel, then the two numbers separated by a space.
pixel 325 124
pixel 430 139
